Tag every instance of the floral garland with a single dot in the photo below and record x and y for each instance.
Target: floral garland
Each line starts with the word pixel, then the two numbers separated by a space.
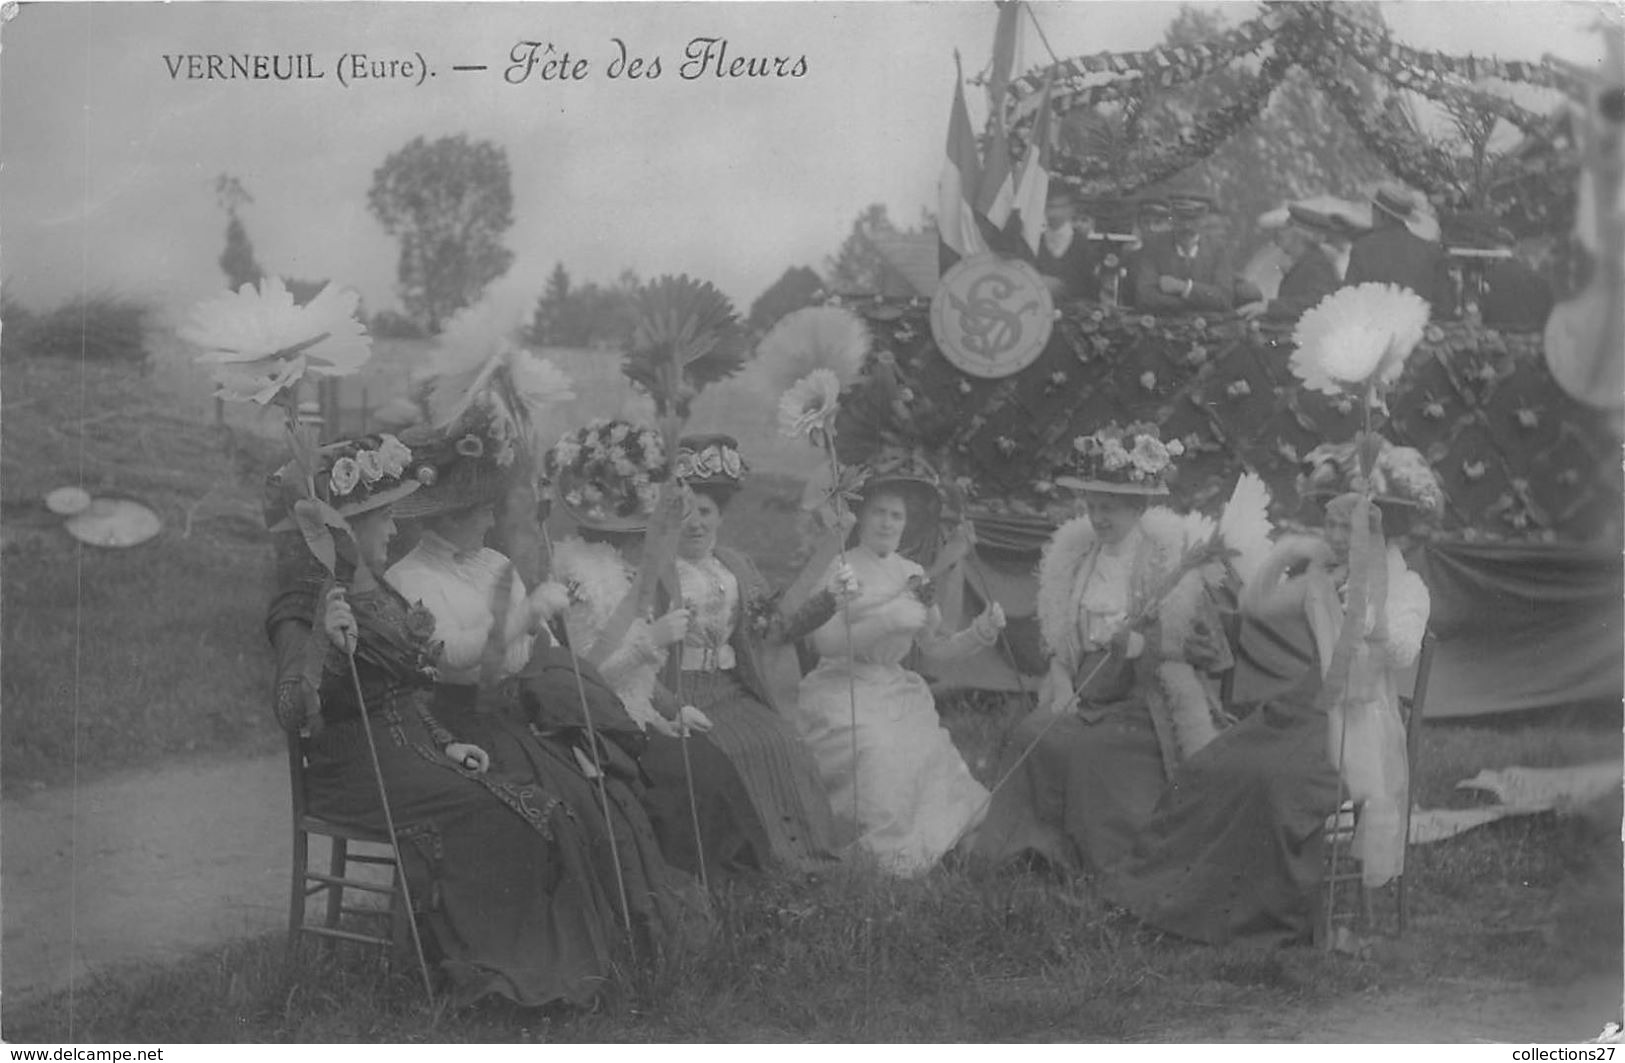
pixel 1147 166
pixel 1165 67
pixel 609 469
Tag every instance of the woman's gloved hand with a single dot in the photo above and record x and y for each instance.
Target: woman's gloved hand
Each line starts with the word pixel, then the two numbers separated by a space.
pixel 691 720
pixel 469 756
pixel 988 625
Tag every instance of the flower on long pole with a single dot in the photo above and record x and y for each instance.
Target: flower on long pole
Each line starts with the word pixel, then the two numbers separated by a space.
pixel 260 346
pixel 807 410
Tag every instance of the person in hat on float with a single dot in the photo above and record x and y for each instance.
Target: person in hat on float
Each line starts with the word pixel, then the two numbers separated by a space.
pixel 503 856
pixel 1513 296
pixel 1392 253
pixel 1124 701
pixel 725 660
pixel 1151 218
pixel 1186 270
pixel 1065 258
pixel 1234 852
pixel 1317 244
pixel 610 481
pixel 909 792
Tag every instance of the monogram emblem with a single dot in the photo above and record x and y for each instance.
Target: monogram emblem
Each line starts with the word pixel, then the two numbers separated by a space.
pixel 991 317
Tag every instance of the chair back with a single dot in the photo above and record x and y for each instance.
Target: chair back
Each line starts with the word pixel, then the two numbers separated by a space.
pixel 1415 706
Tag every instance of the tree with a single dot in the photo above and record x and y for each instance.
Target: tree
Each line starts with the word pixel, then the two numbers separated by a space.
pixel 449 202
pixel 568 315
pixel 237 260
pixel 859 266
pixel 799 286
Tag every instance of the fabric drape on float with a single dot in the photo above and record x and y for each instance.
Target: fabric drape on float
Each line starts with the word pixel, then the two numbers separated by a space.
pixel 1524 626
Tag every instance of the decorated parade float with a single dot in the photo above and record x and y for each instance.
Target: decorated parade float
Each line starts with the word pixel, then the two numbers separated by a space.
pixel 992 379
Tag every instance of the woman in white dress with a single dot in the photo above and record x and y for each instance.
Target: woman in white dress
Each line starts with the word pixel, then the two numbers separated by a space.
pixel 898 772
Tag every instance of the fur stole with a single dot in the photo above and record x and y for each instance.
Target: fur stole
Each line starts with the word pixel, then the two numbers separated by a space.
pixel 595 574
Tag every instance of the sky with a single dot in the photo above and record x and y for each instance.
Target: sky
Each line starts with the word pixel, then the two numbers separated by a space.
pixel 107 162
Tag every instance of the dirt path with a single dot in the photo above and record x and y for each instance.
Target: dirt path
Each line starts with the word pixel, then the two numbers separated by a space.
pixel 144 866
pixel 156 865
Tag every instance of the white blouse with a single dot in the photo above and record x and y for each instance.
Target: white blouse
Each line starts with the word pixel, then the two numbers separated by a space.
pixel 459 589
pixel 711 594
pixel 1103 589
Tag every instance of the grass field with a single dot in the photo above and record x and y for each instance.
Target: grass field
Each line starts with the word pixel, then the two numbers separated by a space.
pixel 120 658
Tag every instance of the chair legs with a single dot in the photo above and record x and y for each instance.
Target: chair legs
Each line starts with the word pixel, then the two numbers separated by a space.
pixel 334 881
pixel 337 865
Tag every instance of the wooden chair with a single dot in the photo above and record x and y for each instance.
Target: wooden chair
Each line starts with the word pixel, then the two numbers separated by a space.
pixel 338 877
pixel 1342 867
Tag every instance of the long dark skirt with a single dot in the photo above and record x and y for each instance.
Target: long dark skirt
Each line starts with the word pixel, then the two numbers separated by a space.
pixel 503 864
pixel 1234 850
pixel 1085 790
pixel 779 773
pixel 729 834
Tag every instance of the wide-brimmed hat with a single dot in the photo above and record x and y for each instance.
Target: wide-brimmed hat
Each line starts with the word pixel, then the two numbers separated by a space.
pixel 1396 201
pixel 607 476
pixel 1189 198
pixel 469 464
pixel 1322 222
pixel 709 461
pixel 355 476
pixel 1152 207
pixel 1122 461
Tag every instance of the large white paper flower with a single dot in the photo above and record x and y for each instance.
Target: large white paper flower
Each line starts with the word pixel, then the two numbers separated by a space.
pixel 1358 336
pixel 810 404
pixel 259 342
pixel 815 337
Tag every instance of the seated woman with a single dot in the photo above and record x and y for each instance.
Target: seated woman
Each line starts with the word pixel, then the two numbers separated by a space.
pixel 502 865
pixel 1121 704
pixel 1234 850
pixel 886 760
pixel 627 535
pixel 734 626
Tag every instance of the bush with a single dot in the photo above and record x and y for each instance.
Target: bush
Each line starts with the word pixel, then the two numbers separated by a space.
pixel 97 328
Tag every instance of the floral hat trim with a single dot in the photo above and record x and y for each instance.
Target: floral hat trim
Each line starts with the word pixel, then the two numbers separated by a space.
pixel 467 464
pixel 709 460
pixel 1117 460
pixel 360 475
pixel 893 469
pixel 608 474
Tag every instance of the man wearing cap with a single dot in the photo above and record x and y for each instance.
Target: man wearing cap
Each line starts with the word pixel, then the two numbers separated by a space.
pixel 1183 270
pixel 1064 256
pixel 1392 253
pixel 1317 243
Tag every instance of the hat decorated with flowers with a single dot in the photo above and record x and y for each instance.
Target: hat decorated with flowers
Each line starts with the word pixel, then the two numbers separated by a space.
pixel 356 476
pixel 709 461
pixel 1117 460
pixel 607 476
pixel 463 465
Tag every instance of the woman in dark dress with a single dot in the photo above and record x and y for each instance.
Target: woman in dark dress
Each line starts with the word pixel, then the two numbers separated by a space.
pixel 1233 850
pixel 506 846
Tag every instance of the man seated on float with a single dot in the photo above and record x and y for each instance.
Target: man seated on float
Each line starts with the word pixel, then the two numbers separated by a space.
pixel 1316 242
pixel 1513 294
pixel 1396 251
pixel 1064 258
pixel 1186 271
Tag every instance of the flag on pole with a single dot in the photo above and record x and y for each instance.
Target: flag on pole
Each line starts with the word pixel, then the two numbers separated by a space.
pixel 996 196
pixel 1032 188
pixel 957 229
